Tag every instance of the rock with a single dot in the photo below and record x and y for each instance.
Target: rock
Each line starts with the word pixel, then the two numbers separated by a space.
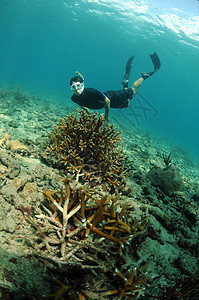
pixel 13 165
pixel 196 196
pixel 13 123
pixel 15 145
pixel 30 193
pixel 10 223
pixel 20 181
pixel 9 193
pixel 191 214
pixel 5 138
pixel 189 243
pixel 187 263
pixel 168 179
pixel 14 170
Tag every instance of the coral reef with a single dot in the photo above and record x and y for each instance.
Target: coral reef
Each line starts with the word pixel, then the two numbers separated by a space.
pixel 78 230
pixel 88 144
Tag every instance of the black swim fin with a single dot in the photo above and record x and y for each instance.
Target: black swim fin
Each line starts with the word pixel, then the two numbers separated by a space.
pixel 127 72
pixel 156 63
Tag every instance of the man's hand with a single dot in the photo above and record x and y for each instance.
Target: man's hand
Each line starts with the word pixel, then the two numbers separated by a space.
pixel 107 119
pixel 107 108
pixel 85 108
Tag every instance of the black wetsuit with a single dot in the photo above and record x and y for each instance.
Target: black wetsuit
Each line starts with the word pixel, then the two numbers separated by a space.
pixel 94 99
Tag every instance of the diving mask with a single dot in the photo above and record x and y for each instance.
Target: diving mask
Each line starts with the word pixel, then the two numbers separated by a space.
pixel 77 87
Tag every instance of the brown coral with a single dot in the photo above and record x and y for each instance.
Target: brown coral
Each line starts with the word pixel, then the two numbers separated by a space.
pixel 74 212
pixel 131 286
pixel 88 144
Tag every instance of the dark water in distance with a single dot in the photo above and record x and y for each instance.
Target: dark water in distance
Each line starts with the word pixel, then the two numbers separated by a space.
pixel 44 42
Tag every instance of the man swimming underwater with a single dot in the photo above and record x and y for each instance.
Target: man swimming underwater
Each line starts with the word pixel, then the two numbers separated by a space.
pixel 94 99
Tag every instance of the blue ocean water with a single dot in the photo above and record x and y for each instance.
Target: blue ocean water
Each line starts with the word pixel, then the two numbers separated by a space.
pixel 43 43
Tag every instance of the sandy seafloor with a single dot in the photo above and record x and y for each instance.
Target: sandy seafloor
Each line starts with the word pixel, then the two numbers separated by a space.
pixel 169 251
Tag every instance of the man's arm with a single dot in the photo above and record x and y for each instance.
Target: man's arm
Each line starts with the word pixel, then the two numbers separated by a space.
pixel 107 108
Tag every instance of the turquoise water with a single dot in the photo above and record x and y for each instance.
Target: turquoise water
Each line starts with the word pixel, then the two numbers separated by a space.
pixel 44 42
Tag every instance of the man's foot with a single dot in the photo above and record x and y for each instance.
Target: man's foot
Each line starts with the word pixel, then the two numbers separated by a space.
pixel 125 83
pixel 146 75
pixel 156 63
pixel 127 72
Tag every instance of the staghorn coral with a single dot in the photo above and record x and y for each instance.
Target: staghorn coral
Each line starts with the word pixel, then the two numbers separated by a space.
pixel 88 144
pixel 73 213
pixel 115 226
pixel 62 290
pixel 79 228
pixel 51 219
pixel 130 286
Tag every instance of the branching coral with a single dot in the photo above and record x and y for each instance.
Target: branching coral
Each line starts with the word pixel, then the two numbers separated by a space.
pixel 130 286
pixel 74 225
pixel 53 215
pixel 62 290
pixel 167 159
pixel 86 142
pixel 78 211
pixel 111 224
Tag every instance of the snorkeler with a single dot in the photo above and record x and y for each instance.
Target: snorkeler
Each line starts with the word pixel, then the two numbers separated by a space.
pixel 94 99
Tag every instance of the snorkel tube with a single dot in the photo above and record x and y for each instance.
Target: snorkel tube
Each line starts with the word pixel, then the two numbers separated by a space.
pixel 80 75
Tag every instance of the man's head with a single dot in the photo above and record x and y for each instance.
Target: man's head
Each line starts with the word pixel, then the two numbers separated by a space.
pixel 77 84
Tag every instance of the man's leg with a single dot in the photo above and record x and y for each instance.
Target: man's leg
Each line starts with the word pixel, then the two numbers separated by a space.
pixel 137 84
pixel 156 63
